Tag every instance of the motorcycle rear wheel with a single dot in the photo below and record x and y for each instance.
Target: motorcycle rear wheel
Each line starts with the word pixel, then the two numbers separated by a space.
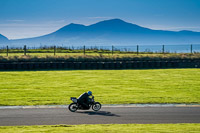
pixel 73 107
pixel 96 106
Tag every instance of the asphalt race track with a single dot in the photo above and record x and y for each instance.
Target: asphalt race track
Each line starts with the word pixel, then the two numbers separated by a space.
pixel 107 115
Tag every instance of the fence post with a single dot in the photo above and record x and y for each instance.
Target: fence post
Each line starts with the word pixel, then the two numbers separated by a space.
pixel 137 49
pixel 54 50
pixel 24 49
pixel 112 49
pixel 191 49
pixel 7 50
pixel 84 49
pixel 163 49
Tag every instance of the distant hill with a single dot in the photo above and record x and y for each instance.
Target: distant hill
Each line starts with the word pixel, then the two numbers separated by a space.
pixel 111 32
pixel 3 39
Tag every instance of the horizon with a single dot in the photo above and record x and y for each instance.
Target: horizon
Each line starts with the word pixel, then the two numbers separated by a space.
pixel 27 18
pixel 96 23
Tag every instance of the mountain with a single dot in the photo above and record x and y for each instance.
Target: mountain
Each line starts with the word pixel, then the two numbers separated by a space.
pixel 3 39
pixel 110 32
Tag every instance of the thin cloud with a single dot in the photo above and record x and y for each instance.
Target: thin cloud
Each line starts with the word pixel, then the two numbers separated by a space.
pixel 16 20
pixel 172 28
pixel 183 28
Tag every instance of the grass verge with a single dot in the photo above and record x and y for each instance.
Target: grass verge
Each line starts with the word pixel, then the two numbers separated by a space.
pixel 102 128
pixel 62 57
pixel 108 86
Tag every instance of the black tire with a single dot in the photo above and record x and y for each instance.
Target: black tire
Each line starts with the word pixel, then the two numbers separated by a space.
pixel 96 106
pixel 73 107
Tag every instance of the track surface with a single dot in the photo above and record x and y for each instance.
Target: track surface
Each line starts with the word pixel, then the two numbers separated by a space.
pixel 107 115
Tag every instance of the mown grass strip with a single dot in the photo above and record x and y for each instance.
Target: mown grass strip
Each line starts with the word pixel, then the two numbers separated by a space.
pixel 102 128
pixel 108 86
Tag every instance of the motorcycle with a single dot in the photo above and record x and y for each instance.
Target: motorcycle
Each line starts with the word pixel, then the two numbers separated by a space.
pixel 96 106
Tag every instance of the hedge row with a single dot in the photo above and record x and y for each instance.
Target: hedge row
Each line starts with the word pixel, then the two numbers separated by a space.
pixel 100 65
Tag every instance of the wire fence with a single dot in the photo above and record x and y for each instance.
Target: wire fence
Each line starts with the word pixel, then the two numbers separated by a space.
pixel 137 49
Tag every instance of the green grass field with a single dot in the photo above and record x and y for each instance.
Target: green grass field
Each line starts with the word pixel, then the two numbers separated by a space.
pixel 108 128
pixel 108 86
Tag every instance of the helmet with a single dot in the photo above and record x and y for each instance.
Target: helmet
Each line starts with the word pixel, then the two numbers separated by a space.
pixel 89 93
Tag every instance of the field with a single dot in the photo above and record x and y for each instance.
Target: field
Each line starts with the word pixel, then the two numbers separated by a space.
pixel 95 57
pixel 108 86
pixel 102 128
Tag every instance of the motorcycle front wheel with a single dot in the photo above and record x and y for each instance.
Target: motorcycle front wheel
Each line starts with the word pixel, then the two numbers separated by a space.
pixel 96 106
pixel 73 107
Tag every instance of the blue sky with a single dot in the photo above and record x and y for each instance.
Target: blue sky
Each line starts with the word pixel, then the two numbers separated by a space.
pixel 30 18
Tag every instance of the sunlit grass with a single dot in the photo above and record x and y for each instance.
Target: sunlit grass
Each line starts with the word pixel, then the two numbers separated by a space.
pixel 97 54
pixel 108 86
pixel 38 57
pixel 102 128
pixel 48 54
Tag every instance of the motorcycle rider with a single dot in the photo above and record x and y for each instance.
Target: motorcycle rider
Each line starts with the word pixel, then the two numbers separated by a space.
pixel 84 99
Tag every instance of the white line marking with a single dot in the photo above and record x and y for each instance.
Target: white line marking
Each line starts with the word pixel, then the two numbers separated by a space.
pixel 105 105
